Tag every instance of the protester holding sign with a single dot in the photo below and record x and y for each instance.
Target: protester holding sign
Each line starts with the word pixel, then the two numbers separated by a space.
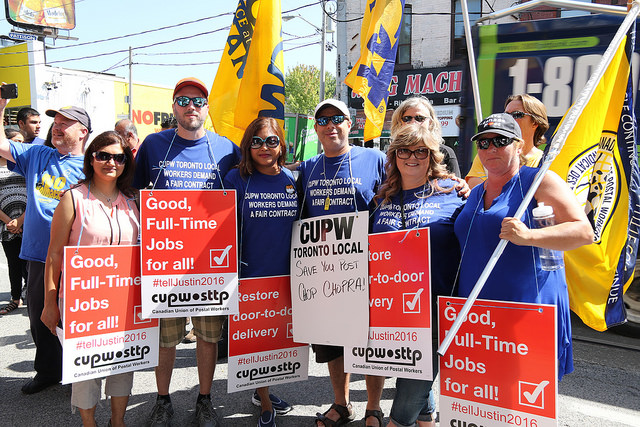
pixel 531 115
pixel 418 193
pixel 488 217
pixel 100 210
pixel 267 207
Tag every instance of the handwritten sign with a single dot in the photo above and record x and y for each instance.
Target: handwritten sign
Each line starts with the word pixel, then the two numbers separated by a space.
pixel 329 279
pixel 261 348
pixel 501 369
pixel 189 253
pixel 104 331
pixel 399 307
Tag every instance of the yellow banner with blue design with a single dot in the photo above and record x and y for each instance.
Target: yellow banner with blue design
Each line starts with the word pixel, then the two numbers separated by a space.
pixel 371 76
pixel 599 162
pixel 250 78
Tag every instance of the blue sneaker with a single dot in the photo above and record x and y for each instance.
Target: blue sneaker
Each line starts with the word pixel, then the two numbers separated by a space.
pixel 279 405
pixel 267 419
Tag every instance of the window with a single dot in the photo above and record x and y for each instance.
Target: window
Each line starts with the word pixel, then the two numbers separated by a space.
pixel 403 55
pixel 457 25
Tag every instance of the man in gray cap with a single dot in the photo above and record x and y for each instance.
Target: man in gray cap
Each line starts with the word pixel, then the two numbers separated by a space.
pixel 48 172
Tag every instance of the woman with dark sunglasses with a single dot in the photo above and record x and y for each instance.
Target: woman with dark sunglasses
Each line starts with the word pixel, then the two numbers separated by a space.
pixel 267 206
pixel 100 210
pixel 531 115
pixel 419 192
pixel 488 217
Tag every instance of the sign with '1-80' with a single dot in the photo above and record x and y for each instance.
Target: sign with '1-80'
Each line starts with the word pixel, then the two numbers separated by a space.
pixel 188 253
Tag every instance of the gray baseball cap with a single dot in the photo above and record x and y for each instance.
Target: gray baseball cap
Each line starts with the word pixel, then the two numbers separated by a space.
pixel 73 113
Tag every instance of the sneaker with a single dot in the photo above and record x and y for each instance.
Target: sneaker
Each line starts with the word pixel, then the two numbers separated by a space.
pixel 279 405
pixel 161 414
pixel 205 414
pixel 189 338
pixel 267 419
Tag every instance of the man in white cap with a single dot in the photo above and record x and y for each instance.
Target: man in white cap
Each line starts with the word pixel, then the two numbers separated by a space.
pixel 188 157
pixel 48 172
pixel 345 178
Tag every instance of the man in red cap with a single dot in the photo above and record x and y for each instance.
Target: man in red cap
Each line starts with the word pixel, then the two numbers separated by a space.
pixel 48 172
pixel 188 157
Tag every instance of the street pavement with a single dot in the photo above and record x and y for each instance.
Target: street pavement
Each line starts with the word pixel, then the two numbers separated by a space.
pixel 603 391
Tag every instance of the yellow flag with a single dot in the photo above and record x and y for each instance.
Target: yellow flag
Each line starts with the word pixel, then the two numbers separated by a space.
pixel 371 76
pixel 599 162
pixel 250 78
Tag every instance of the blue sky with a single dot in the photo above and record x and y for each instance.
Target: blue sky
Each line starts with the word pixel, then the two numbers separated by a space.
pixel 100 19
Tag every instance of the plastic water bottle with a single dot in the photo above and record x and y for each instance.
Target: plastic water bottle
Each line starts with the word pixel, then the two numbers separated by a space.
pixel 550 259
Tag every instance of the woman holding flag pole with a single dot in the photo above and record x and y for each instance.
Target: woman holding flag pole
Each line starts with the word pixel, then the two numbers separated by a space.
pixel 488 217
pixel 100 210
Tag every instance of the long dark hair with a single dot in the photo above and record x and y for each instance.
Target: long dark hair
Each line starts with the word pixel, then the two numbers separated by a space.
pixel 104 140
pixel 246 163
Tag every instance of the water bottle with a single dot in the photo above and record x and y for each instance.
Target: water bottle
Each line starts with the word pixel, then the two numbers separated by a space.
pixel 550 259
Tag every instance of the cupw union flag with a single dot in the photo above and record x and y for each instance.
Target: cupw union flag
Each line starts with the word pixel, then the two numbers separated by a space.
pixel 371 76
pixel 599 162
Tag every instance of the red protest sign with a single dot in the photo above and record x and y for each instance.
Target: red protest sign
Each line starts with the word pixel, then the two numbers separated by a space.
pixel 104 331
pixel 501 364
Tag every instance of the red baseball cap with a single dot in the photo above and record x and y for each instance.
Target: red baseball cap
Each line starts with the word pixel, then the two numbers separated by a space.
pixel 191 81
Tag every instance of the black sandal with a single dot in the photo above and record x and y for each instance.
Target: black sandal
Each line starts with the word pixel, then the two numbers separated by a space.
pixel 345 412
pixel 377 414
pixel 9 307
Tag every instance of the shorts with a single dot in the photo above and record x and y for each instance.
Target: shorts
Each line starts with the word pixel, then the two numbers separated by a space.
pixel 174 329
pixel 86 394
pixel 327 353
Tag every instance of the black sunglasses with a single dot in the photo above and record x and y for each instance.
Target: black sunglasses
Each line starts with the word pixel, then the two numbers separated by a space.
pixel 324 120
pixel 405 153
pixel 497 141
pixel 418 119
pixel 271 141
pixel 519 114
pixel 103 156
pixel 198 101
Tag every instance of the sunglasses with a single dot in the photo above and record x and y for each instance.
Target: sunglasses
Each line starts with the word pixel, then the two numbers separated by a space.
pixel 103 156
pixel 519 114
pixel 497 141
pixel 324 120
pixel 183 101
pixel 271 141
pixel 418 119
pixel 405 153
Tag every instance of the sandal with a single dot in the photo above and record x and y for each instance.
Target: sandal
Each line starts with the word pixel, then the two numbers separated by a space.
pixel 345 412
pixel 9 308
pixel 377 414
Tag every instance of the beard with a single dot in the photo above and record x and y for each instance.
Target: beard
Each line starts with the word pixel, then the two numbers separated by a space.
pixel 189 123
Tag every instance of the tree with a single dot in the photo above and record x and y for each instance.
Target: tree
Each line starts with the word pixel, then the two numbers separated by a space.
pixel 302 88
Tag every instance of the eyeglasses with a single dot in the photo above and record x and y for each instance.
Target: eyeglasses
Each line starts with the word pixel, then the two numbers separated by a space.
pixel 497 141
pixel 271 141
pixel 183 101
pixel 405 153
pixel 519 114
pixel 103 156
pixel 324 120
pixel 418 119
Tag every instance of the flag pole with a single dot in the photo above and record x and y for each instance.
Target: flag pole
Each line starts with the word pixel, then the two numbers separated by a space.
pixel 472 61
pixel 555 146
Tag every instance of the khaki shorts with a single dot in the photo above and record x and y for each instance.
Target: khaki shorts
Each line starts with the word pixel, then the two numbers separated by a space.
pixel 174 329
pixel 86 394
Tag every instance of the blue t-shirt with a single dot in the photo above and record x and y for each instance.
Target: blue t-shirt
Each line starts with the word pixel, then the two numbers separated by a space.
pixel 267 207
pixel 184 164
pixel 438 211
pixel 48 174
pixel 329 185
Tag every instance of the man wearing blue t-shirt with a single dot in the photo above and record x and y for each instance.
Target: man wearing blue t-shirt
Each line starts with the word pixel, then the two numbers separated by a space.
pixel 187 157
pixel 343 179
pixel 48 173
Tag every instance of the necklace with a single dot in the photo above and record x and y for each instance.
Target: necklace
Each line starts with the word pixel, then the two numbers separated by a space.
pixel 109 199
pixel 327 201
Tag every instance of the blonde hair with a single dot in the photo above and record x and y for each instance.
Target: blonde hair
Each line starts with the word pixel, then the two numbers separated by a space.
pixel 538 111
pixel 413 136
pixel 433 124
